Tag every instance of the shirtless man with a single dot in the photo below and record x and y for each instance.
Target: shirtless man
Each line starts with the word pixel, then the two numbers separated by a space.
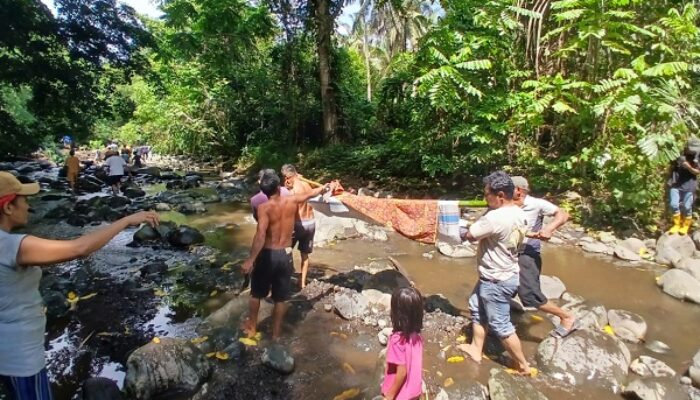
pixel 270 257
pixel 304 224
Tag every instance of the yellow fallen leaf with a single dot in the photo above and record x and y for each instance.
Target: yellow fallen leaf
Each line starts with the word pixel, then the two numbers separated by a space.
pixel 348 368
pixel 213 293
pixel 221 355
pixel 248 342
pixel 461 339
pixel 88 296
pixel 159 292
pixel 533 372
pixel 156 340
pixel 448 382
pixel 340 335
pixel 212 354
pixel 536 318
pixel 200 340
pixel 642 251
pixel 258 336
pixel 72 296
pixel 609 330
pixel 348 394
pixel 455 359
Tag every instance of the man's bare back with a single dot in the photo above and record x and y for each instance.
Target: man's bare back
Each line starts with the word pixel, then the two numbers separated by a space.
pixel 280 213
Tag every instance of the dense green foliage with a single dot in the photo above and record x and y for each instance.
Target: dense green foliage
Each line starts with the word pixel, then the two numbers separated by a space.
pixel 586 95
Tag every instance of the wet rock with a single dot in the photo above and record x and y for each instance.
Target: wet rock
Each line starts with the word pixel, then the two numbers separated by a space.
pixel 655 389
pixel 89 184
pixel 371 232
pixel 383 335
pixel 552 287
pixel 589 314
pixel 163 207
pixel 668 245
pixel 166 228
pixel 667 256
pixel 350 304
pixel 694 371
pixel 595 247
pixel 146 234
pixel 585 357
pixel 375 297
pixel 690 265
pixel 150 171
pixel 61 210
pixel 185 236
pixel 503 386
pixel 191 208
pixel 658 346
pixel 115 201
pixel 440 302
pixel 171 366
pixel 646 366
pixel 133 192
pixel 681 285
pixel 626 254
pixel 99 389
pixel 154 268
pixel 276 357
pixel 472 391
pixel 464 250
pixel 226 318
pixel 56 305
pixel 386 281
pixel 633 244
pixel 628 326
pixel 607 237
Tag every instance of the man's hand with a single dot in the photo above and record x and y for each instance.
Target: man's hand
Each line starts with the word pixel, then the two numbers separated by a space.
pixel 247 265
pixel 149 217
pixel 544 234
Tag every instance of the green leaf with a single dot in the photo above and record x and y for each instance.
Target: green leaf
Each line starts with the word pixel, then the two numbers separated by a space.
pixel 562 108
pixel 666 69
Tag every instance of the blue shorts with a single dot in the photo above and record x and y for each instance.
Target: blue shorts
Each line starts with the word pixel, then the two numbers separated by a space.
pixel 36 387
pixel 489 305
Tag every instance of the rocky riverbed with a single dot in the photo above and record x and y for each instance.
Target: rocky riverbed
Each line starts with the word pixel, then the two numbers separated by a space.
pixel 156 313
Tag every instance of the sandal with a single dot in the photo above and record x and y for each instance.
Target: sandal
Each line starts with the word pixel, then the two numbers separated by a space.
pixel 562 332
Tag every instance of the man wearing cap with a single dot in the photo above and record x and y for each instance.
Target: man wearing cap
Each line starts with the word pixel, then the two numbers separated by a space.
pixel 529 258
pixel 22 319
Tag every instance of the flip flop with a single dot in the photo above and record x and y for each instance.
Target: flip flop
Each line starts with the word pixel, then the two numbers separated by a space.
pixel 563 332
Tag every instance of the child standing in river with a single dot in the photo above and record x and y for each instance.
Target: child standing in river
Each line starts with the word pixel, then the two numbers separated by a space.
pixel 403 376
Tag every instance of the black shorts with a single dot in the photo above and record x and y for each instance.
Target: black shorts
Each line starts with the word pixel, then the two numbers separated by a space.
pixel 529 290
pixel 273 271
pixel 114 179
pixel 304 235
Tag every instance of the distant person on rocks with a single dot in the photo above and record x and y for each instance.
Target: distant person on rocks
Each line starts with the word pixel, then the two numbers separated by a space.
pixel 403 375
pixel 305 224
pixel 126 153
pixel 137 159
pixel 530 260
pixel 261 197
pixel 72 171
pixel 116 167
pixel 270 262
pixel 500 233
pixel 22 316
pixel 683 184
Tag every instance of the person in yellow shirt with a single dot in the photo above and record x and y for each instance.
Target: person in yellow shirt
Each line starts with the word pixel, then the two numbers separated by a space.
pixel 72 170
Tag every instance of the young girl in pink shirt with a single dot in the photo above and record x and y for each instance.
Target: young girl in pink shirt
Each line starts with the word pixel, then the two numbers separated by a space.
pixel 403 377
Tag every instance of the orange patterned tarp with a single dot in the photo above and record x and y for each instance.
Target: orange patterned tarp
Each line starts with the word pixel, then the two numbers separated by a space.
pixel 415 219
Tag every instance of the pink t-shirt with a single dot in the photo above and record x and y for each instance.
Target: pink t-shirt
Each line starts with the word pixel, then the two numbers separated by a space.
pixel 408 352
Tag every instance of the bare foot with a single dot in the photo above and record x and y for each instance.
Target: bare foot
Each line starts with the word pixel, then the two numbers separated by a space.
pixel 568 322
pixel 249 329
pixel 471 352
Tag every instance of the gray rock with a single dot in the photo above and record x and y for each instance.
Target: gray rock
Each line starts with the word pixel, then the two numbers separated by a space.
pixel 685 380
pixel 595 247
pixel 185 236
pixel 173 365
pixel 503 386
pixel 386 281
pixel 650 244
pixel 464 250
pixel 586 239
pixel 694 371
pixel 607 238
pixel 655 389
pixel 152 171
pixel 146 234
pixel 191 208
pixel 440 302
pixel 680 284
pixel 350 305
pixel 585 357
pixel 133 192
pixel 626 254
pixel 690 265
pixel 658 346
pixel 589 314
pixel 552 287
pixel 646 366
pixel 276 357
pixel 633 244
pixel 226 318
pixel 628 326
pixel 99 389
pixel 328 307
pixel 163 207
pixel 375 297
pixel 470 391
pixel 669 247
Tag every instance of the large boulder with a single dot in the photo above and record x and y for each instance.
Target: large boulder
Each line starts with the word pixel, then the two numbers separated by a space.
pixel 646 366
pixel 596 247
pixel 146 234
pixel 694 371
pixel 168 367
pixel 628 326
pixel 626 254
pixel 185 236
pixel 586 356
pixel 99 389
pixel 588 314
pixel 151 171
pixel 464 250
pixel 465 391
pixel 278 358
pixel 690 265
pixel 655 389
pixel 133 192
pixel 386 281
pixel 681 285
pixel 669 247
pixel 552 287
pixel 191 208
pixel 633 244
pixel 350 304
pixel 504 386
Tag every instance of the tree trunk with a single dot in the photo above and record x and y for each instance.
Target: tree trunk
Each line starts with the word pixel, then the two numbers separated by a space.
pixel 368 66
pixel 324 25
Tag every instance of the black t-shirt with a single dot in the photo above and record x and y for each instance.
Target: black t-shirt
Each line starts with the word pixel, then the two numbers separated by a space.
pixel 684 179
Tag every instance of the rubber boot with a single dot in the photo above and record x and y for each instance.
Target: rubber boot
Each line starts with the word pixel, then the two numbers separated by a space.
pixel 687 223
pixel 676 224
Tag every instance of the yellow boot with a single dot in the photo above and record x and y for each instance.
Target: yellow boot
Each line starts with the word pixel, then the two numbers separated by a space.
pixel 687 223
pixel 676 224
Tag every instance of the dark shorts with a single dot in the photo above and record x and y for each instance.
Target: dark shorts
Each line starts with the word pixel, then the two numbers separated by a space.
pixel 529 290
pixel 272 272
pixel 114 179
pixel 36 387
pixel 304 235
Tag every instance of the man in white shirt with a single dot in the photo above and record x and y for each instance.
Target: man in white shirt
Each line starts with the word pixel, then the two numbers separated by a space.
pixel 500 232
pixel 116 166
pixel 530 260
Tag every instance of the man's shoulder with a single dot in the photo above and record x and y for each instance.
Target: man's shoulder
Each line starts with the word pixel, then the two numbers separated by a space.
pixel 539 204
